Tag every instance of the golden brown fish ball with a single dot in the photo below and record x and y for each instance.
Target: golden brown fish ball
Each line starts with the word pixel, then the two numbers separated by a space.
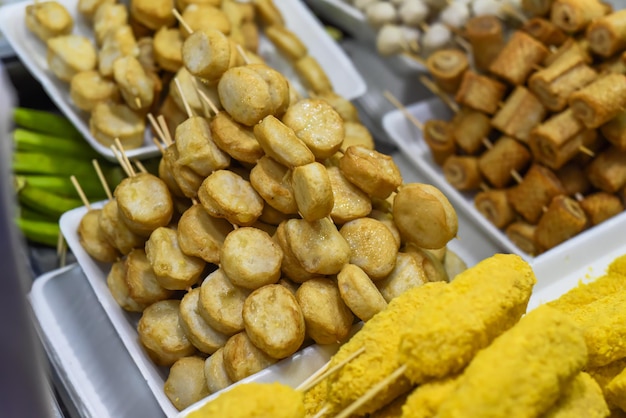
pixel 225 194
pixel 350 202
pixel 215 372
pixel 115 230
pixel 281 143
pixel 318 246
pixel 272 181
pixel 202 16
pixel 173 114
pixel 48 19
pixel 182 4
pixel 206 54
pixel 153 14
pixel 313 75
pixel 173 269
pixel 328 320
pixel 166 175
pixel 346 109
pixel 274 321
pixel 235 139
pixel 407 273
pixel 278 87
pixel 317 124
pixel 162 335
pixel 88 8
pixel 432 266
pixel 359 292
pixel 196 148
pixel 242 358
pixel 201 235
pixel 387 219
pixel 144 203
pixel 424 216
pixel 286 42
pixel 93 239
pixel 136 86
pixel 111 120
pixel 190 92
pixel 168 45
pixel 119 42
pixel 356 133
pixel 107 17
pixel 371 171
pixel 290 266
pixel 68 55
pixel 312 190
pixel 273 217
pixel 187 180
pixel 372 246
pixel 186 383
pixel 268 13
pixel 221 303
pixel 250 258
pixel 201 334
pixel 143 286
pixel 116 284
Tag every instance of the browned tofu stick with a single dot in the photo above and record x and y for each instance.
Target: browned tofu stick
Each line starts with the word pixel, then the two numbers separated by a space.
pixel 494 205
pixel 439 137
pixel 574 15
pixel 600 101
pixel 470 128
pixel 518 58
pixel 573 179
pixel 480 92
pixel 499 164
pixel 462 172
pixel 447 67
pixel 563 219
pixel 522 234
pixel 601 206
pixel 544 31
pixel 553 84
pixel 536 7
pixel 534 192
pixel 607 171
pixel 607 34
pixel 520 112
pixel 615 131
pixel 485 35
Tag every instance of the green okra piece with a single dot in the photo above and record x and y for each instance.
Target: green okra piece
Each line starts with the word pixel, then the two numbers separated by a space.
pixel 41 232
pixel 46 202
pixel 63 186
pixel 45 122
pixel 31 141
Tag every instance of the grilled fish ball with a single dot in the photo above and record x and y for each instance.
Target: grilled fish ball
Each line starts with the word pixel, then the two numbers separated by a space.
pixel 273 217
pixel 372 246
pixel 281 143
pixel 168 43
pixel 115 230
pixel 371 171
pixel 242 358
pixel 313 75
pixel 356 133
pixel 88 8
pixel 187 180
pixel 201 334
pixel 142 283
pixel 224 194
pixel 274 321
pixel 235 139
pixel 144 202
pixel 107 17
pixel 424 216
pixel 119 289
pixel 359 292
pixel 173 114
pixel 328 320
pixel 272 181
pixel 166 175
pixel 119 42
pixel 185 383
pixel 290 266
pixel 215 372
pixel 346 109
pixel 69 55
pixel 196 148
pixel 48 19
pixel 427 259
pixel 201 16
pixel 153 14
pixel 317 124
pixel 93 240
pixel 318 246
pixel 250 258
pixel 312 190
pixel 407 273
pixel 173 269
pixel 387 219
pixel 201 235
pixel 111 120
pixel 221 303
pixel 161 333
pixel 182 4
pixel 286 42
pixel 136 86
pixel 206 54
pixel 350 202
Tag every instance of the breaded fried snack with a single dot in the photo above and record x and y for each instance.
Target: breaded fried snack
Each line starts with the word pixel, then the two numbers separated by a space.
pixel 48 19
pixel 70 54
pixel 581 397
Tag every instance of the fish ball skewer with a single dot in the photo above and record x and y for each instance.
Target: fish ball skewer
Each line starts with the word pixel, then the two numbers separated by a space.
pixel 186 383
pixel 221 303
pixel 201 235
pixel 48 19
pixel 202 335
pixel 143 287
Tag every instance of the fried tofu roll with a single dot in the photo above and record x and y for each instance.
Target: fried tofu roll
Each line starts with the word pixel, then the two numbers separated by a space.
pixel 511 378
pixel 469 129
pixel 544 31
pixel 601 206
pixel 536 7
pixel 447 67
pixel 494 205
pixel 563 219
pixel 615 131
pixel 462 172
pixel 499 164
pixel 573 179
pixel 48 19
pixel 536 190
pixel 522 110
pixel 522 234
pixel 479 92
pixel 607 171
pixel 485 35
pixel 606 35
pixel 600 101
pixel 439 137
pixel 518 58
pixel 574 15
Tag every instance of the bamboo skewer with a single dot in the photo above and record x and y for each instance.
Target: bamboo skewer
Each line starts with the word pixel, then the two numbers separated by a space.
pixel 167 137
pixel 103 180
pixel 430 85
pixel 325 371
pixel 125 157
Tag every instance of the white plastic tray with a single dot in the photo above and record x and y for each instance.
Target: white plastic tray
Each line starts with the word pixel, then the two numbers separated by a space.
pixel 32 52
pixel 409 140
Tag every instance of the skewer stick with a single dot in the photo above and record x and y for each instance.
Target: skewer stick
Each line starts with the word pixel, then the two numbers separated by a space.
pixel 324 372
pixel 120 160
pixel 158 145
pixel 404 110
pixel 587 151
pixel 367 396
pixel 103 179
pixel 61 250
pixel 180 19
pixel 206 98
pixel 243 54
pixel 321 412
pixel 513 12
pixel 421 61
pixel 80 192
pixel 430 85
pixel 138 102
pixel 166 130
pixel 125 157
pixel 140 165
pixel 182 96
pixel 156 128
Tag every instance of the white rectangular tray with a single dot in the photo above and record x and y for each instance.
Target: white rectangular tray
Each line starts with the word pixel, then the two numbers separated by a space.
pixel 32 52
